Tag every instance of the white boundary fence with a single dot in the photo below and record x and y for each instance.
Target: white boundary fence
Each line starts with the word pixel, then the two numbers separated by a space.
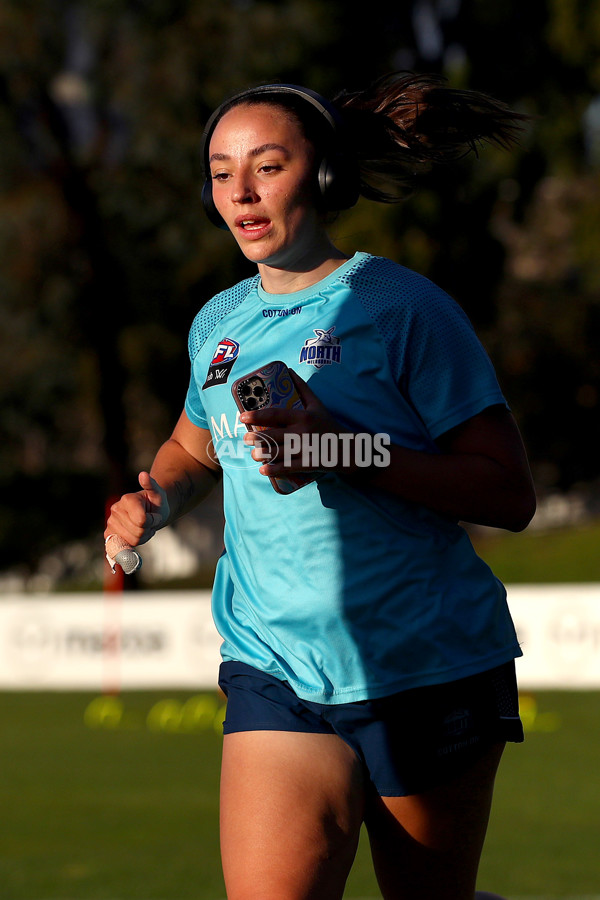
pixel 107 642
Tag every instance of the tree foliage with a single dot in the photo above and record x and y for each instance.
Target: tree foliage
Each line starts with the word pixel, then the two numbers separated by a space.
pixel 106 255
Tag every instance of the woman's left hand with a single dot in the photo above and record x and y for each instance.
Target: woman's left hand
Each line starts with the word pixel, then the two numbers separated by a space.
pixel 290 440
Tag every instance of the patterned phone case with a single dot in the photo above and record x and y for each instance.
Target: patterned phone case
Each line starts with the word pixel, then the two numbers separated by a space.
pixel 269 386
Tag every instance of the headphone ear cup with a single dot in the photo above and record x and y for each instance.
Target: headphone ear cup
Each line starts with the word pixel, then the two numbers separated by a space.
pixel 209 206
pixel 338 183
pixel 327 179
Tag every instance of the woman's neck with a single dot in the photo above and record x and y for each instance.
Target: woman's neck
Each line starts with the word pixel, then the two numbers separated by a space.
pixel 313 268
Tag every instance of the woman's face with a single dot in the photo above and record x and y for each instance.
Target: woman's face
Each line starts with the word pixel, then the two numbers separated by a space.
pixel 262 170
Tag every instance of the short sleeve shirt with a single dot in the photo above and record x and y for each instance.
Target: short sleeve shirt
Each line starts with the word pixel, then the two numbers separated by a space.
pixel 349 593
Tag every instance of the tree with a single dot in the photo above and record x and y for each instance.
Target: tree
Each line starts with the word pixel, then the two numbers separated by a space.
pixel 106 255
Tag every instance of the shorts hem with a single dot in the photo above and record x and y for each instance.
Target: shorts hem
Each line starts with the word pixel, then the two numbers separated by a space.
pixel 269 726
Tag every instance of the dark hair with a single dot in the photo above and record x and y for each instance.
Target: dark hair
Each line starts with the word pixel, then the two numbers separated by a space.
pixel 403 124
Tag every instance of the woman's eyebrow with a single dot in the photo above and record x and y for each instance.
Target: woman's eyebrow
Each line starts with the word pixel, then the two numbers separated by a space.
pixel 264 147
pixel 256 151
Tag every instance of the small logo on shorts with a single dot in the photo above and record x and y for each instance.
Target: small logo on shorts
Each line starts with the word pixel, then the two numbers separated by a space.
pixel 456 723
pixel 457 733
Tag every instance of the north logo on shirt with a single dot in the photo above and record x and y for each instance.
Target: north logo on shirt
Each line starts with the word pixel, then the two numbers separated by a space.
pixel 222 362
pixel 322 350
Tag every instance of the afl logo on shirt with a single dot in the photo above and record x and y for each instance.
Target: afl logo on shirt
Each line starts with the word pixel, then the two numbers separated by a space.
pixel 322 350
pixel 222 362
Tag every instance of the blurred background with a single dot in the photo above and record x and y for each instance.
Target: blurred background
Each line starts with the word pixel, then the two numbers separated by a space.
pixel 106 256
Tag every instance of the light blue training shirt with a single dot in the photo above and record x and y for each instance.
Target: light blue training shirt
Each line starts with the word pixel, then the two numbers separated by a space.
pixel 349 593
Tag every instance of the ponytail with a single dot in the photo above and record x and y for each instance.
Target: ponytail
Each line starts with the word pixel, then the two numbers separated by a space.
pixel 404 124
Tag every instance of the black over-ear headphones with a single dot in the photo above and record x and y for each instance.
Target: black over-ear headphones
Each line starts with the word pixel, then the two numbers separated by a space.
pixel 337 172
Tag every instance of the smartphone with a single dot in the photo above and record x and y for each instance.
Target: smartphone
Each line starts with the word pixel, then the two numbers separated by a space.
pixel 270 386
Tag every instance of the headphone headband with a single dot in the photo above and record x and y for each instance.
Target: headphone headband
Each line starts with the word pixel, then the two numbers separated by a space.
pixel 338 177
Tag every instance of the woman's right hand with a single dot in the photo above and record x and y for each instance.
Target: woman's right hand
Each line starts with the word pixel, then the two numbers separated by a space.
pixel 137 517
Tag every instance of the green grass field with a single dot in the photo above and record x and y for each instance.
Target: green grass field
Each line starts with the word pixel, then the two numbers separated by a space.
pixel 552 557
pixel 118 800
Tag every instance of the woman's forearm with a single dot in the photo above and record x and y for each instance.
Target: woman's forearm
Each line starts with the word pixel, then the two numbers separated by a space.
pixel 185 480
pixel 468 487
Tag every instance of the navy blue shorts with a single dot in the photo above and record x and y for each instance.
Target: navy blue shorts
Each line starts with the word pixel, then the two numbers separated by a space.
pixel 407 742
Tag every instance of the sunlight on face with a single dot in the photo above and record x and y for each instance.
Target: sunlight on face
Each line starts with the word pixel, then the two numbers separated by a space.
pixel 262 170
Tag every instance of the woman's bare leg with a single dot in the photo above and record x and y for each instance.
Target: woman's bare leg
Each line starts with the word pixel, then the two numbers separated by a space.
pixel 428 845
pixel 291 810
